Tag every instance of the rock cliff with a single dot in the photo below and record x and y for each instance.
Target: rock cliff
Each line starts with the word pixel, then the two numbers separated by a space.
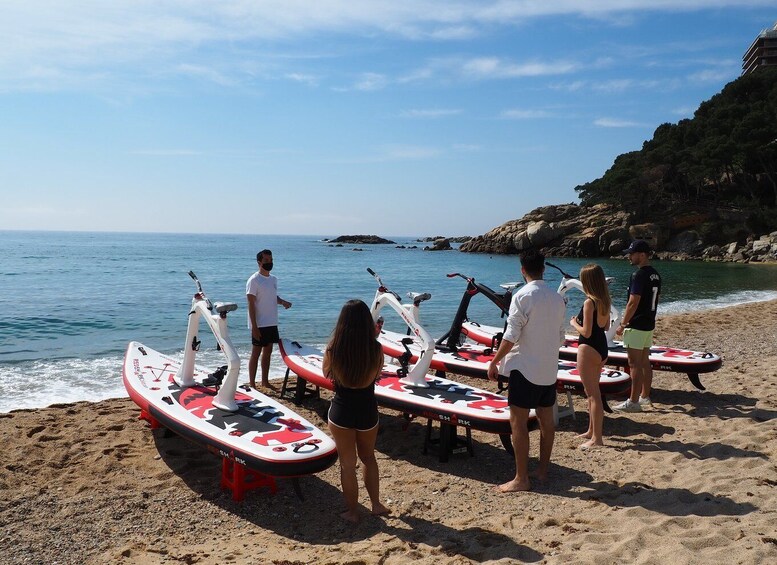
pixel 603 230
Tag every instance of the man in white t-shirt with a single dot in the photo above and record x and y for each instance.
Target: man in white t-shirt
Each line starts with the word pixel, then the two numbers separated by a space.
pixel 529 348
pixel 263 301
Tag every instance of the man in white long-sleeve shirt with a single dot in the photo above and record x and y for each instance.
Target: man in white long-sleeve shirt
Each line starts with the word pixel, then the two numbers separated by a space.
pixel 528 353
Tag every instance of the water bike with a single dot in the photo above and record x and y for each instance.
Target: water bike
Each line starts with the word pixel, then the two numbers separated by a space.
pixel 662 358
pixel 472 360
pixel 257 437
pixel 408 388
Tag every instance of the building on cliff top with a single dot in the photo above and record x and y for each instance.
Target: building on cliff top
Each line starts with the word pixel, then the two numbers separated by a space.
pixel 762 52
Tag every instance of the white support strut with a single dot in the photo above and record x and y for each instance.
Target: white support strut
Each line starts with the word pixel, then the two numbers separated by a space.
pixel 225 398
pixel 416 376
pixel 615 316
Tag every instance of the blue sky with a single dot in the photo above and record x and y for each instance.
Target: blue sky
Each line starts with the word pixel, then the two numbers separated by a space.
pixel 329 117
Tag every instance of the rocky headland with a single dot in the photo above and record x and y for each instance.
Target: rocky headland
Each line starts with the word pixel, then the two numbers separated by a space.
pixel 603 230
pixel 361 239
pixel 434 238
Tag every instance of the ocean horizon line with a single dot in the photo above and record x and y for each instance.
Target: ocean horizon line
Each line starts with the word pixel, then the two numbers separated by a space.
pixel 157 233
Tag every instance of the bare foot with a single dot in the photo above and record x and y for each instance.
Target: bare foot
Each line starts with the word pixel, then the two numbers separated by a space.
pixel 586 435
pixel 351 516
pixel 267 387
pixel 513 486
pixel 541 476
pixel 590 444
pixel 380 510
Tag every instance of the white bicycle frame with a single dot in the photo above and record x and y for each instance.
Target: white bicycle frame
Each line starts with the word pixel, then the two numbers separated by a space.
pixel 416 376
pixel 202 308
pixel 615 316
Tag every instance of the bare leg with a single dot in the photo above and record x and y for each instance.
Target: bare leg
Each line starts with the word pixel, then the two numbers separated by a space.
pixel 589 362
pixel 365 446
pixel 637 377
pixel 647 373
pixel 253 363
pixel 547 435
pixel 587 434
pixel 266 354
pixel 519 418
pixel 345 440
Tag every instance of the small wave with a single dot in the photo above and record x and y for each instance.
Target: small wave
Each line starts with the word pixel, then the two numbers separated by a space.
pixel 40 383
pixel 723 301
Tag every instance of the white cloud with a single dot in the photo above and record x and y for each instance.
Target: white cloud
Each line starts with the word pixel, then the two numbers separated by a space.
pixel 303 78
pixel 494 67
pixel 207 73
pixel 616 123
pixel 88 36
pixel 685 110
pixel 613 85
pixel 405 152
pixel 371 81
pixel 518 114
pixel 429 113
pixel 713 75
pixel 166 152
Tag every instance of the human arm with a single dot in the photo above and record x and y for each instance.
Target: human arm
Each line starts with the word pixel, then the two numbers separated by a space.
pixel 516 320
pixel 255 333
pixel 628 312
pixel 326 365
pixel 493 368
pixel 285 303
pixel 588 319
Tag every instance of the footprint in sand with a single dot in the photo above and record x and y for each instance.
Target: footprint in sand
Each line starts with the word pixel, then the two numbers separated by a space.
pixel 37 429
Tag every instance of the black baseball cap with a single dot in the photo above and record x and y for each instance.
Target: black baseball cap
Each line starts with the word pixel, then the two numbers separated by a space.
pixel 637 246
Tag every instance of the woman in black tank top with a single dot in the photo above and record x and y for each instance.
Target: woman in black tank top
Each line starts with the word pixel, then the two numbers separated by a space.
pixel 353 360
pixel 591 323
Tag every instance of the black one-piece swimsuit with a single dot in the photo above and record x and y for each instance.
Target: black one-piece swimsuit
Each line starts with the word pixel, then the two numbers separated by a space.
pixel 597 339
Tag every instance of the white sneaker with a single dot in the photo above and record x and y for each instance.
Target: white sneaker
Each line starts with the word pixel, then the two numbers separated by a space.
pixel 628 406
pixel 645 402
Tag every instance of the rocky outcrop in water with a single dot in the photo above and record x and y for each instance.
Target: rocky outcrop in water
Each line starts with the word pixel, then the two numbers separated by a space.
pixel 361 239
pixel 432 239
pixel 602 230
pixel 565 230
pixel 442 244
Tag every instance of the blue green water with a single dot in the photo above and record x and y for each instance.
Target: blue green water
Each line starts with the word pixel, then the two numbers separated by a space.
pixel 72 301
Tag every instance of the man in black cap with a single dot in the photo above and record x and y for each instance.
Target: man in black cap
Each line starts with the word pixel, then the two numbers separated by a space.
pixel 637 324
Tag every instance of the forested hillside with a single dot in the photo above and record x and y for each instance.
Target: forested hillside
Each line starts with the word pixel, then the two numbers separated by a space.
pixel 723 159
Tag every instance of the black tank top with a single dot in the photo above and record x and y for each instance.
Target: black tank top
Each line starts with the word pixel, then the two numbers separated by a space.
pixel 597 339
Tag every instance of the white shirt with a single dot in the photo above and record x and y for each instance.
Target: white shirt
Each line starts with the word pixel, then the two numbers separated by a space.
pixel 265 289
pixel 535 325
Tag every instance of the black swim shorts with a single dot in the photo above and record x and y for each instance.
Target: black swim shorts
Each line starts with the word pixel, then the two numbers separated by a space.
pixel 269 335
pixel 525 394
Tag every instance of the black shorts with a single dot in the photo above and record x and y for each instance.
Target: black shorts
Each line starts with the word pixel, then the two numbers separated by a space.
pixel 525 394
pixel 351 412
pixel 269 335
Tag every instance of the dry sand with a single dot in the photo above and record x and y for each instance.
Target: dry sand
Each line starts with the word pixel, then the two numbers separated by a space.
pixel 692 481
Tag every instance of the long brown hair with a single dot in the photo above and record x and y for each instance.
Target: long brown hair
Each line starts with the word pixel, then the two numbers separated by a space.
pixel 355 356
pixel 595 287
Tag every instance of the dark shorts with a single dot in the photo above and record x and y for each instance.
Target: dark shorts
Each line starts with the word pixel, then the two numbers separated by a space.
pixel 269 335
pixel 525 394
pixel 360 416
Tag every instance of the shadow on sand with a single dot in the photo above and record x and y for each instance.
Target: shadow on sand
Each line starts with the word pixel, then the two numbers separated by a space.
pixel 288 516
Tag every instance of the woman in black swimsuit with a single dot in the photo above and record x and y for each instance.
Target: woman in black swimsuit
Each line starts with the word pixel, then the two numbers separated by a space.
pixel 591 323
pixel 353 360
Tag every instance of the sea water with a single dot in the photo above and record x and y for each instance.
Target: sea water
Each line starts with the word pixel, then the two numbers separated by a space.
pixel 72 301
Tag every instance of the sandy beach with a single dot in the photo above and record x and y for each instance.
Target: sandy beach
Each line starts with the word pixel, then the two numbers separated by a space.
pixel 694 480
